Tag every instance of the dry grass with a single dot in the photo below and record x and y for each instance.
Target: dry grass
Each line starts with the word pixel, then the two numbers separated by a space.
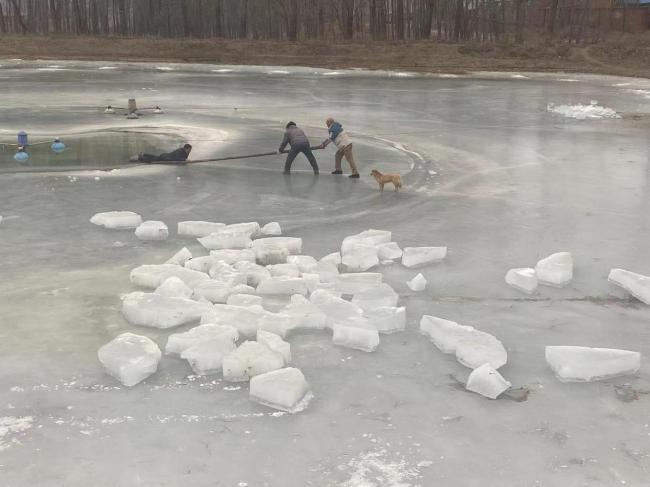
pixel 626 55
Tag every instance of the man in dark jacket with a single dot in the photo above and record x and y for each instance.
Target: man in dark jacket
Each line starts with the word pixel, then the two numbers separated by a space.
pixel 179 156
pixel 299 142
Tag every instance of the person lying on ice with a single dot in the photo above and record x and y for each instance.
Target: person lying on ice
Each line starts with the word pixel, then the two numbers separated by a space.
pixel 299 142
pixel 179 155
pixel 343 147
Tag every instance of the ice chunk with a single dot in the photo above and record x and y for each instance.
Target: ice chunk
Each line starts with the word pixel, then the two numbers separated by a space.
pixel 282 285
pixel 361 338
pixel 232 256
pixel 276 344
pixel 272 228
pixel 277 323
pixel 245 318
pixel 304 314
pixel 213 291
pixel 292 244
pixel 117 220
pixel 250 228
pixel 388 251
pixel 523 279
pixel 417 256
pixel 334 258
pixel 173 287
pixel 472 347
pixel 206 357
pixel 387 319
pixel 152 276
pixel 636 284
pixel 486 381
pixel 358 282
pixel 250 359
pixel 154 310
pixel 368 237
pixel 303 262
pixel 225 273
pixel 578 364
pixel 287 270
pixel 130 358
pixel 226 240
pixel 152 230
pixel 285 389
pixel 177 342
pixel 244 300
pixel 360 257
pixel 254 273
pixel 201 264
pixel 417 284
pixel 555 270
pixel 270 254
pixel 336 309
pixel 198 228
pixel 180 257
pixel 382 295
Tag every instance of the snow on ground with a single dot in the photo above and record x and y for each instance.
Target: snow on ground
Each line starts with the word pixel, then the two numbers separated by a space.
pixel 583 112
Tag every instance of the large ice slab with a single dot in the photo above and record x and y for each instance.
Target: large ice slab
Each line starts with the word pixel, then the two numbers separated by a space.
pixel 214 291
pixel 580 364
pixel 254 273
pixel 130 358
pixel 117 220
pixel 334 258
pixel 244 300
pixel 245 318
pixel 357 336
pixel 335 308
pixel 359 257
pixel 250 359
pixel 304 314
pixel 355 283
pixel 368 237
pixel 382 295
pixel 226 240
pixel 276 344
pixel 486 381
pixel 199 228
pixel 636 284
pixel 201 264
pixel 287 270
pixel 278 323
pixel 304 262
pixel 251 228
pixel 173 287
pixel 389 251
pixel 180 257
pixel 283 389
pixel 152 230
pixel 292 244
pixel 419 256
pixel 283 286
pixel 232 256
pixel 272 229
pixel 523 279
pixel 555 270
pixel 387 319
pixel 152 276
pixel 177 342
pixel 206 357
pixel 472 347
pixel 154 310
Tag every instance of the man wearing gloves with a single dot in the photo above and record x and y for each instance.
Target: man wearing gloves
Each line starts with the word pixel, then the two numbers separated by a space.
pixel 343 147
pixel 299 142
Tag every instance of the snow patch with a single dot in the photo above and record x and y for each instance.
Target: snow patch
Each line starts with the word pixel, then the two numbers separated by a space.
pixel 583 112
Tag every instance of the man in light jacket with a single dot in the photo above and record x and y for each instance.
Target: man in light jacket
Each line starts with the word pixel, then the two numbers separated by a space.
pixel 299 142
pixel 343 147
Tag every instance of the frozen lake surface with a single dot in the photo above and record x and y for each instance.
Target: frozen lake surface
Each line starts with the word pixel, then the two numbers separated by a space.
pixel 488 171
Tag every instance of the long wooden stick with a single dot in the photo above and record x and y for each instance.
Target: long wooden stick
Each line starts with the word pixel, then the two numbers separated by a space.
pixel 229 158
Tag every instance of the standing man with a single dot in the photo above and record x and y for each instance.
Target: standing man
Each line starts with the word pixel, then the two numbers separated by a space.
pixel 343 147
pixel 299 142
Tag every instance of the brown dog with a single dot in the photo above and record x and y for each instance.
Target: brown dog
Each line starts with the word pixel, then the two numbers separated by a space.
pixel 382 179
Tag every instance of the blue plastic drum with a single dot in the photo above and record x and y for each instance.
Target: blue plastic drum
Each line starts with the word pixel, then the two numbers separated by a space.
pixel 58 146
pixel 21 156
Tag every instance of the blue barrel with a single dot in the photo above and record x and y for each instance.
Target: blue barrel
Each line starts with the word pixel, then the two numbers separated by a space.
pixel 22 138
pixel 58 146
pixel 21 155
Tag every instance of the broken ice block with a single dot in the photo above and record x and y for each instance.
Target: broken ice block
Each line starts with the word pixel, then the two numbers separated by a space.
pixel 580 364
pixel 387 319
pixel 272 228
pixel 270 254
pixel 227 274
pixel 636 284
pixel 555 270
pixel 368 237
pixel 417 284
pixel 130 358
pixel 292 244
pixel 417 256
pixel 275 343
pixel 336 309
pixel 360 257
pixel 283 389
pixel 304 262
pixel 206 357
pixel 250 359
pixel 152 276
pixel 486 381
pixel 201 264
pixel 177 342
pixel 226 240
pixel 180 257
pixel 244 318
pixel 254 273
pixel 355 283
pixel 154 310
pixel 213 291
pixel 472 347
pixel 250 228
pixel 287 270
pixel 173 287
pixel 282 286
pixel 334 258
pixel 388 251
pixel 326 271
pixel 198 228
pixel 277 323
pixel 364 338
pixel 523 279
pixel 244 300
pixel 232 256
pixel 117 220
pixel 382 295
pixel 304 314
pixel 152 230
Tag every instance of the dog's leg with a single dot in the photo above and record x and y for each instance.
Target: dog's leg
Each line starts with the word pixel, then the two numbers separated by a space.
pixel 381 187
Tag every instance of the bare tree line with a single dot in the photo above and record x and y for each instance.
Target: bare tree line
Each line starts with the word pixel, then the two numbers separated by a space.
pixel 443 20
